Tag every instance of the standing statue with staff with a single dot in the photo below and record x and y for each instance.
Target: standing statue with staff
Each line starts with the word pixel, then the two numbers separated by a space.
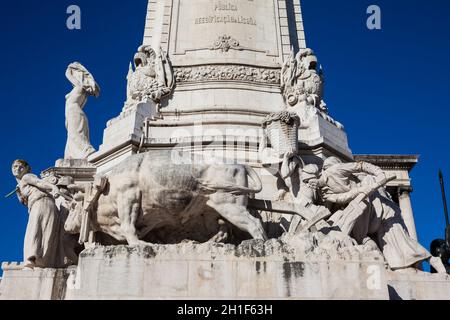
pixel 42 244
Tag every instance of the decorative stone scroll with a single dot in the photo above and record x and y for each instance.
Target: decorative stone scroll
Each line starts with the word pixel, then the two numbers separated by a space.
pixel 225 43
pixel 227 73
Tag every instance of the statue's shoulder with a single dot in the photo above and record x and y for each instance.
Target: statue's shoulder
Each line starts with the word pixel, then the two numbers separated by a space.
pixel 28 178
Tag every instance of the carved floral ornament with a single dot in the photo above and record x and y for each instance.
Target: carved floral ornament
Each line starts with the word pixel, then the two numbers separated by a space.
pixel 228 73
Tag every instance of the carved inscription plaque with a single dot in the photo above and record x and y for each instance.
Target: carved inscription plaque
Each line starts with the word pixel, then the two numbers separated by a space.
pixel 226 29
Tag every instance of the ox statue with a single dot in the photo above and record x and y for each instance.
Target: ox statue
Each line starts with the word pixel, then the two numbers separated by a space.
pixel 149 198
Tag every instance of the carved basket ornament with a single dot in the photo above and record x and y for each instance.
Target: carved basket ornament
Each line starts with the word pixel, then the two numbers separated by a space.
pixel 281 129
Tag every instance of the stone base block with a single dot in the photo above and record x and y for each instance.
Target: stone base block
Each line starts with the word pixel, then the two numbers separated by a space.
pixel 253 270
pixel 417 285
pixel 38 284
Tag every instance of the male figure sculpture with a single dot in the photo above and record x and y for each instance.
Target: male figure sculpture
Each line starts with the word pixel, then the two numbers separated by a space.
pixel 381 222
pixel 42 247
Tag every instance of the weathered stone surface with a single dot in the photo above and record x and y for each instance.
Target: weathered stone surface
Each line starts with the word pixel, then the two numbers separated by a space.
pixel 37 284
pixel 213 271
pixel 304 268
pixel 417 285
pixel 254 269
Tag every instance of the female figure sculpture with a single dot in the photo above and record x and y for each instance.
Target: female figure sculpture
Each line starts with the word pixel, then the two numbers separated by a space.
pixel 42 247
pixel 78 143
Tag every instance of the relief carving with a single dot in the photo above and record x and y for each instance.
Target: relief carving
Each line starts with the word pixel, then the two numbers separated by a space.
pixel 302 84
pixel 227 73
pixel 225 43
pixel 152 77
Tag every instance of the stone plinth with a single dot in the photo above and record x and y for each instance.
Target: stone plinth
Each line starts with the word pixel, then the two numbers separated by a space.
pixel 321 140
pixel 418 285
pixel 38 284
pixel 81 171
pixel 252 270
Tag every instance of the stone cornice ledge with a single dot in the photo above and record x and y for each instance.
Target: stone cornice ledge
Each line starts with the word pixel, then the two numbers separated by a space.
pixel 391 161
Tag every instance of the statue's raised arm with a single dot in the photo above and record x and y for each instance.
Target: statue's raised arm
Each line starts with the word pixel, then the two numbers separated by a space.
pixel 78 142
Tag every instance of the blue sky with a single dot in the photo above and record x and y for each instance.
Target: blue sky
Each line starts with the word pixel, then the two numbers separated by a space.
pixel 390 88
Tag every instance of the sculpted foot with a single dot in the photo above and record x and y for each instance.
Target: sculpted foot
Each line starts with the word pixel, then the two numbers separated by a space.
pixel 259 233
pixel 410 270
pixel 133 239
pixel 222 235
pixel 437 264
pixel 137 243
pixel 281 195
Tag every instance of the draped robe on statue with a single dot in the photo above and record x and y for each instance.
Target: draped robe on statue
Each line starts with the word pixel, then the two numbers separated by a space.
pixel 382 221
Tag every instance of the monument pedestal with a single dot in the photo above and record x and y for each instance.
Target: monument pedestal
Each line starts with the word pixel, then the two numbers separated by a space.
pixel 323 139
pixel 252 270
pixel 38 284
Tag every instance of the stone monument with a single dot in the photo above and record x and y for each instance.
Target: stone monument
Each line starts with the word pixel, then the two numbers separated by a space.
pixel 223 169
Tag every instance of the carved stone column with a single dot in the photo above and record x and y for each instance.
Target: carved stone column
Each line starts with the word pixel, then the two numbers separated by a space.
pixel 407 212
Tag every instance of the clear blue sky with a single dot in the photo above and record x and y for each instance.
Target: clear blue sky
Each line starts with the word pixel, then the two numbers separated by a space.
pixel 390 88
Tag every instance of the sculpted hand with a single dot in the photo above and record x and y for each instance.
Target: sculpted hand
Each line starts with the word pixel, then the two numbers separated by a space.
pixel 326 196
pixel 380 178
pixel 289 154
pixel 313 183
pixel 365 189
pixel 56 193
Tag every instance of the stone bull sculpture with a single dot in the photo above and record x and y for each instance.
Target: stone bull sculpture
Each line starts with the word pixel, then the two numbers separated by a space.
pixel 148 194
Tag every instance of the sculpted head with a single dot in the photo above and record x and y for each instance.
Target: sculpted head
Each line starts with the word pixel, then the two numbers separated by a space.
pixel 331 161
pixel 146 58
pixel 307 60
pixel 20 168
pixel 310 171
